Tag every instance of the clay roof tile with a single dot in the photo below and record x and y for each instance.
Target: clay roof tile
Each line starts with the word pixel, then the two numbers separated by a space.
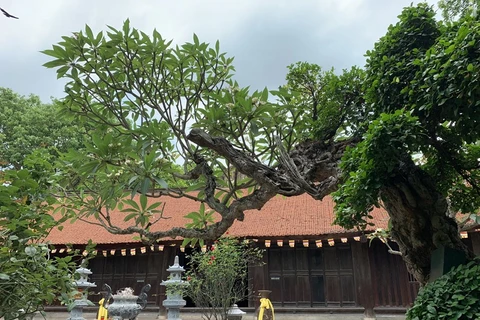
pixel 280 217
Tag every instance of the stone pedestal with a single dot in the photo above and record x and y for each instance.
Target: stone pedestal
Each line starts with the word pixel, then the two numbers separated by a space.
pixel 369 314
pixel 443 260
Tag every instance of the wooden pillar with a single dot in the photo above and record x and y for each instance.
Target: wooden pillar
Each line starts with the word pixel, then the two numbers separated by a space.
pixel 363 278
pixel 257 280
pixel 475 237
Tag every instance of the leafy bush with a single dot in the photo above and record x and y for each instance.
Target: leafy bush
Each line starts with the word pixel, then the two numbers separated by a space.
pixel 218 277
pixel 29 276
pixel 455 295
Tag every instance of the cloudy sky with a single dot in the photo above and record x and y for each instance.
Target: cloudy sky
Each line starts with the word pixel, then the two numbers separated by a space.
pixel 264 36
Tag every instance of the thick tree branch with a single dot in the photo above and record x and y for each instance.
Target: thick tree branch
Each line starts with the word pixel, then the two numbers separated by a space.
pixel 256 200
pixel 311 167
pixel 261 173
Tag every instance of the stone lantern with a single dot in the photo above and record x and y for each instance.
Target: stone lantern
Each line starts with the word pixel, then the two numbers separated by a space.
pixel 175 287
pixel 81 300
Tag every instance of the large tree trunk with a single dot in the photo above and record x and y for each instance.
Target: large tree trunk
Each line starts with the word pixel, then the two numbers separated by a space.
pixel 419 218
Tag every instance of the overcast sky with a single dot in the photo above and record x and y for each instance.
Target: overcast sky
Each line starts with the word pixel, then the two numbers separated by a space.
pixel 264 36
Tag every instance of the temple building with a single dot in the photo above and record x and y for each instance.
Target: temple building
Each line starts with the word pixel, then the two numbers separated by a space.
pixel 309 263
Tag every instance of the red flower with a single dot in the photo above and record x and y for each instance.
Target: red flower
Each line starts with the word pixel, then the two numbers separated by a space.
pixel 212 248
pixel 212 258
pixel 189 278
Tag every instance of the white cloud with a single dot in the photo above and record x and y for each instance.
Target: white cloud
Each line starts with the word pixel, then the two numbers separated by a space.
pixel 264 36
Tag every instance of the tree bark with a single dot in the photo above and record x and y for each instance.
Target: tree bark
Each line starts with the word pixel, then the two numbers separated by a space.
pixel 419 218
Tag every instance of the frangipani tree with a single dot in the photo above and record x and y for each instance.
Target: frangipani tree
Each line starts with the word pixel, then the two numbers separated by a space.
pixel 155 104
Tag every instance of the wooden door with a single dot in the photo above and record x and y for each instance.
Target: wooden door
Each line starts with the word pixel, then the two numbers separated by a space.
pixel 311 276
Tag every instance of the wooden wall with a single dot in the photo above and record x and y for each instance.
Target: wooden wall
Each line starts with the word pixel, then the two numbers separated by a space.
pixel 392 284
pixel 344 275
pixel 120 271
pixel 307 277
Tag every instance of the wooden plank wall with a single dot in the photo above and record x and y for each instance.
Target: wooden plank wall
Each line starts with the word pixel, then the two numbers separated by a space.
pixel 363 278
pixel 307 277
pixel 392 284
pixel 347 274
pixel 352 274
pixel 120 271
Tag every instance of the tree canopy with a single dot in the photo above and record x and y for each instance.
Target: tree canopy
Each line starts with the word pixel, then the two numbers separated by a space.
pixel 154 104
pixel 422 92
pixel 26 124
pixel 454 9
pixel 403 133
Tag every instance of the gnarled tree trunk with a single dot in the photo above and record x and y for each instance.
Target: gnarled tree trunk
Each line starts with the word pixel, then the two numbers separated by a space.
pixel 419 218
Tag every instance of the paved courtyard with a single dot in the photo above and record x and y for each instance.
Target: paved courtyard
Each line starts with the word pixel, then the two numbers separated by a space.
pixel 248 316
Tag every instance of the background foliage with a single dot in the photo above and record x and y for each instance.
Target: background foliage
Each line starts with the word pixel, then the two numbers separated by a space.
pixel 29 277
pixel 26 124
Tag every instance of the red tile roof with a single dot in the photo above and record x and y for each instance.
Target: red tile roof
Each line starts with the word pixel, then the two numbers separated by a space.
pixel 280 217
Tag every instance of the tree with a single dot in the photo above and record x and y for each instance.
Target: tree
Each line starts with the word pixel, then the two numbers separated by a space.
pixel 422 91
pixel 26 124
pixel 144 96
pixel 324 101
pixel 154 104
pixel 29 276
pixel 31 135
pixel 454 9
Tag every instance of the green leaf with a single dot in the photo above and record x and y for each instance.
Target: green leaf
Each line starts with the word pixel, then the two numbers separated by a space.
pixel 126 27
pixel 154 205
pixel 450 49
pixel 4 276
pixel 195 187
pixel 130 216
pixel 143 202
pixel 193 215
pixel 146 186
pixel 62 71
pixel 54 63
pixel 89 33
pixel 132 203
pixel 161 182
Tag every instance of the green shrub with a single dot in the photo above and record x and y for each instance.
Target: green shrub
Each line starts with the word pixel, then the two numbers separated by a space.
pixel 455 295
pixel 218 277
